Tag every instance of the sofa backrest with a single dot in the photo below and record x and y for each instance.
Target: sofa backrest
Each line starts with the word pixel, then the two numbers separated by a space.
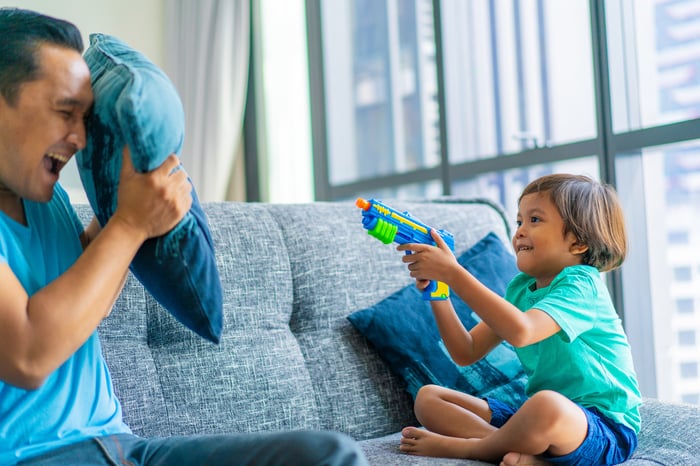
pixel 288 358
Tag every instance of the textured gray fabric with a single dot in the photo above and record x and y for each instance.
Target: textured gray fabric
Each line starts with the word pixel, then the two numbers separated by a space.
pixel 289 358
pixel 670 435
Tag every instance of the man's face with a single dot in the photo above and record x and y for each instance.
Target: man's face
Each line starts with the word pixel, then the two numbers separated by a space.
pixel 45 126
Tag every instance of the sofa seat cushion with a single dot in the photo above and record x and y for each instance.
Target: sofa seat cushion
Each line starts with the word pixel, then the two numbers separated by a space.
pixel 171 382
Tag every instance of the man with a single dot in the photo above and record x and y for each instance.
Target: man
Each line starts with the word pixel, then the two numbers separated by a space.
pixel 57 282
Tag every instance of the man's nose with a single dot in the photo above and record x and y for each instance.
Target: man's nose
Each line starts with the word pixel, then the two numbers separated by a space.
pixel 77 135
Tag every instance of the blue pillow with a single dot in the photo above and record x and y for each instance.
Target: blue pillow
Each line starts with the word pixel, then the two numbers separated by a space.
pixel 136 104
pixel 402 329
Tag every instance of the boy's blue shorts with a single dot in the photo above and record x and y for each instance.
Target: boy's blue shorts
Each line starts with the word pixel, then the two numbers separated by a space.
pixel 607 442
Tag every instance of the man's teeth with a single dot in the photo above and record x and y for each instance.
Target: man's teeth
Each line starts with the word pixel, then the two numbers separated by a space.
pixel 59 157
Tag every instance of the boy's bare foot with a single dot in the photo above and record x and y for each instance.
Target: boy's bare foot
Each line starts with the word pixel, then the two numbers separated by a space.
pixel 422 442
pixel 519 459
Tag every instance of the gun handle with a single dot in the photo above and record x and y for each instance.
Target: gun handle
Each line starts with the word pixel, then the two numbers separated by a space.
pixel 436 291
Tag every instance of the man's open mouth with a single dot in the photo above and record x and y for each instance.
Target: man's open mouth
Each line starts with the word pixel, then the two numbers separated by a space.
pixel 56 161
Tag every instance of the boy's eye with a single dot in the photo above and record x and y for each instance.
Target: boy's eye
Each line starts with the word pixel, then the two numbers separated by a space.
pixel 518 222
pixel 534 219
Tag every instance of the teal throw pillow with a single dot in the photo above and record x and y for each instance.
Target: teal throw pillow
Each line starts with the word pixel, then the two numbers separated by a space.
pixel 402 329
pixel 136 104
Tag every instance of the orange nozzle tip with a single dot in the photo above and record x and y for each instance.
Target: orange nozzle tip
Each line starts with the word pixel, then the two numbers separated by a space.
pixel 362 203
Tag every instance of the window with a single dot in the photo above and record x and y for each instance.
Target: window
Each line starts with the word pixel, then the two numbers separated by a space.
pixel 686 338
pixel 689 370
pixel 381 88
pixel 685 305
pixel 678 237
pixel 420 98
pixel 682 274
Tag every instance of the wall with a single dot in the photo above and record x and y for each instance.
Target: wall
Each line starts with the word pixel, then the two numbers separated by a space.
pixel 140 23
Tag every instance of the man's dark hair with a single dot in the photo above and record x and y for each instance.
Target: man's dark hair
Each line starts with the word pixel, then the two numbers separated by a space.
pixel 22 33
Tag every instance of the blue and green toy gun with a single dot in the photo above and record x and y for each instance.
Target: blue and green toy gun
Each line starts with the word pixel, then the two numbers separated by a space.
pixel 387 225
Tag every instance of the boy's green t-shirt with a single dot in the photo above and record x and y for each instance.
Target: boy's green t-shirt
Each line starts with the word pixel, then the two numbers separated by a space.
pixel 589 360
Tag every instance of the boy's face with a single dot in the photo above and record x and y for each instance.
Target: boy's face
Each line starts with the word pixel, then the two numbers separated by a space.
pixel 541 247
pixel 45 126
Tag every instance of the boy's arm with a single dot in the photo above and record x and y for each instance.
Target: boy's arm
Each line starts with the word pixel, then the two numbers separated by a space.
pixel 465 346
pixel 505 320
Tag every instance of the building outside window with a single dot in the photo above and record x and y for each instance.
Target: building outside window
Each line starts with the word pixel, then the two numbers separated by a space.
pixel 421 98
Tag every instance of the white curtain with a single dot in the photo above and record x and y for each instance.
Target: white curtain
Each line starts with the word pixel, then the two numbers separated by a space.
pixel 207 59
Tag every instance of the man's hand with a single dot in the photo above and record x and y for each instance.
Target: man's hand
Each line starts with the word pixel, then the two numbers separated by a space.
pixel 152 203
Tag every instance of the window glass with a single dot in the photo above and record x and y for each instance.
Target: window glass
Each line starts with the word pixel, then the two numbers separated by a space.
pixel 654 58
pixel 518 75
pixel 660 189
pixel 678 237
pixel 504 187
pixel 686 338
pixel 429 190
pixel 682 274
pixel 689 370
pixel 685 305
pixel 381 87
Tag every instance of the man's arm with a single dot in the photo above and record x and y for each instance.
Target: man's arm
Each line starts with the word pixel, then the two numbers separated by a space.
pixel 40 332
pixel 86 237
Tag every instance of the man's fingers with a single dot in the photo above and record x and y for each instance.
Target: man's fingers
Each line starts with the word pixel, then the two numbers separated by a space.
pixel 170 164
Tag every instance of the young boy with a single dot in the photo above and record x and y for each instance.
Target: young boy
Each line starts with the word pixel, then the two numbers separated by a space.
pixel 583 405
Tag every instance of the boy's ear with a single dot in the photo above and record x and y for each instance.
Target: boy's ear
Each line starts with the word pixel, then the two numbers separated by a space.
pixel 578 248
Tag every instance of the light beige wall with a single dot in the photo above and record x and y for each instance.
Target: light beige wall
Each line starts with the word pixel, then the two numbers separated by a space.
pixel 139 23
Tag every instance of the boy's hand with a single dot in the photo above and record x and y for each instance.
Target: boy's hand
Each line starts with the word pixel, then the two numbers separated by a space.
pixel 427 262
pixel 153 202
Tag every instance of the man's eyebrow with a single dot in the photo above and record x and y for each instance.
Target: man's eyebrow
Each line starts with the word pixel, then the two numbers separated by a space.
pixel 73 102
pixel 69 101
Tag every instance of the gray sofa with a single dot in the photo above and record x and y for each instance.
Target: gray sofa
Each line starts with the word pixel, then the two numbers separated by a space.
pixel 289 358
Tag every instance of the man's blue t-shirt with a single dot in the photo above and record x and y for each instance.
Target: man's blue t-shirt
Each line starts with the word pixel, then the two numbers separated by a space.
pixel 77 400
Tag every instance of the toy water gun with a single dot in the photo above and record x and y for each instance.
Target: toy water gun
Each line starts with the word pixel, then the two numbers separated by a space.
pixel 387 225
